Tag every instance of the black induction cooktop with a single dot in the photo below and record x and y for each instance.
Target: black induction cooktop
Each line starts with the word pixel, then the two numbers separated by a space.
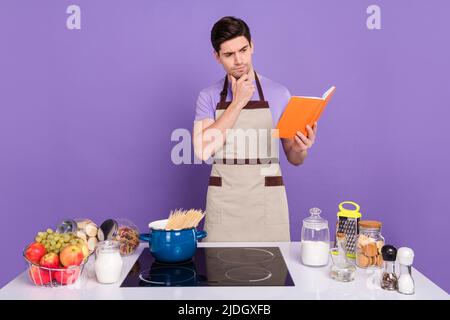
pixel 221 267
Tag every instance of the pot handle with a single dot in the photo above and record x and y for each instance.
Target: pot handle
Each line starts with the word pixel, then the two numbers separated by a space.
pixel 200 234
pixel 146 237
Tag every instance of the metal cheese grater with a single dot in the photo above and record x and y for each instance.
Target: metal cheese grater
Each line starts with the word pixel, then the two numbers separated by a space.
pixel 348 224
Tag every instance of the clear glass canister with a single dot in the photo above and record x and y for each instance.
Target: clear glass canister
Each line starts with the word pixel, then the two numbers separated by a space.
pixel 315 240
pixel 369 244
pixel 108 261
pixel 128 236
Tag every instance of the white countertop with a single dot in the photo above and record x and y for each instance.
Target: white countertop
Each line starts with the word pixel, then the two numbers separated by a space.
pixel 310 283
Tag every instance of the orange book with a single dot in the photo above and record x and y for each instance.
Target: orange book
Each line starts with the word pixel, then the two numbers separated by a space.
pixel 301 111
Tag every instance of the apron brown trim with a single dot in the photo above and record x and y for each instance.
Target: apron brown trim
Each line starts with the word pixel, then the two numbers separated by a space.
pixel 268 181
pixel 215 181
pixel 250 105
pixel 274 181
pixel 246 161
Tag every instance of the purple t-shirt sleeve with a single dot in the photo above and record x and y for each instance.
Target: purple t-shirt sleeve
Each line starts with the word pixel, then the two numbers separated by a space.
pixel 204 108
pixel 280 100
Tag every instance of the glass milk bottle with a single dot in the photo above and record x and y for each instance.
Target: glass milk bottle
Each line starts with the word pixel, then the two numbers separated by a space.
pixel 315 242
pixel 108 261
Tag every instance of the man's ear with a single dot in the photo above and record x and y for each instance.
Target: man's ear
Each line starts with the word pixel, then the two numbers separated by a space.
pixel 252 46
pixel 216 56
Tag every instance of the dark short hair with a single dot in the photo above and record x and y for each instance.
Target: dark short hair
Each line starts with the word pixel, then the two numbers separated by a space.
pixel 228 28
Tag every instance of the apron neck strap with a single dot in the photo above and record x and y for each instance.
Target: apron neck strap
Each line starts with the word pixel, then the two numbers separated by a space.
pixel 224 92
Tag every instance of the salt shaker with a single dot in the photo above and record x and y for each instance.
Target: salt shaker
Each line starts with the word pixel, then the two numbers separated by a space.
pixel 405 257
pixel 389 278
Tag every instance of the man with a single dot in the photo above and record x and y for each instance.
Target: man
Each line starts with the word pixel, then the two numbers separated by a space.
pixel 246 199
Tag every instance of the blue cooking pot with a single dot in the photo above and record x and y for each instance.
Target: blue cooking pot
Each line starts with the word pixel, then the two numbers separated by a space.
pixel 172 246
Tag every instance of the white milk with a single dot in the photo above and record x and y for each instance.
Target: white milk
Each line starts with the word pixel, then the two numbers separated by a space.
pixel 315 253
pixel 108 266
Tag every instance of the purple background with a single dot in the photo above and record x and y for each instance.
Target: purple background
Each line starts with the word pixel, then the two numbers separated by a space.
pixel 86 115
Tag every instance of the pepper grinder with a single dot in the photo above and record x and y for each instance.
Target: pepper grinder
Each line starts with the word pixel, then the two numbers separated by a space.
pixel 389 278
pixel 405 258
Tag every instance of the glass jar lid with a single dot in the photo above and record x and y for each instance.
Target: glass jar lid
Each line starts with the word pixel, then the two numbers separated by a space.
pixel 370 224
pixel 315 221
pixel 107 246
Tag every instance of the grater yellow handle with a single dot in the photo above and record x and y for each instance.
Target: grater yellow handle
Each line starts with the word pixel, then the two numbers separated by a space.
pixel 341 206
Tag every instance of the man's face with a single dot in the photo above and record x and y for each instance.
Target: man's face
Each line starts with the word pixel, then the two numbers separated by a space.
pixel 236 56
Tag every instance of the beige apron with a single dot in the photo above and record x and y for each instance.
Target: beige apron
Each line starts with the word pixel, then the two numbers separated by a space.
pixel 246 198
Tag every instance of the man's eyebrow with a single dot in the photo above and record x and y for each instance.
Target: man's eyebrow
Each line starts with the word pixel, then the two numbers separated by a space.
pixel 238 50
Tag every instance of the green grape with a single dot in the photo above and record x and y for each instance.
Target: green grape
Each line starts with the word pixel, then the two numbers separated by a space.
pixel 49 230
pixel 41 234
pixel 37 239
pixel 58 245
pixel 66 237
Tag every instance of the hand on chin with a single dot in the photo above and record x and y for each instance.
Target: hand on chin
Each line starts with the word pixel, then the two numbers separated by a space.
pixel 239 74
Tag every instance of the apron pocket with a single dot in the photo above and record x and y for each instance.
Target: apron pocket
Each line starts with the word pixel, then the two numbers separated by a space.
pixel 213 207
pixel 273 181
pixel 215 181
pixel 275 202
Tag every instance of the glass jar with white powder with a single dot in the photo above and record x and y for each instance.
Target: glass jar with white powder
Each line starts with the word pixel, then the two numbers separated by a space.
pixel 315 241
pixel 108 261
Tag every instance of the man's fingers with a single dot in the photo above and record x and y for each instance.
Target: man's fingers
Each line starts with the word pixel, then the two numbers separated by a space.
pixel 233 80
pixel 311 134
pixel 315 128
pixel 303 138
pixel 300 142
pixel 243 78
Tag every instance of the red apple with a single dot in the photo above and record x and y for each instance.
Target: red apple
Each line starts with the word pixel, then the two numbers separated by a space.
pixel 72 255
pixel 84 249
pixel 35 252
pixel 39 276
pixel 67 276
pixel 50 260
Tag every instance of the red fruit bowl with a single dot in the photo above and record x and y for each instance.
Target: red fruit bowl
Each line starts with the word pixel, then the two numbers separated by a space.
pixel 53 277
